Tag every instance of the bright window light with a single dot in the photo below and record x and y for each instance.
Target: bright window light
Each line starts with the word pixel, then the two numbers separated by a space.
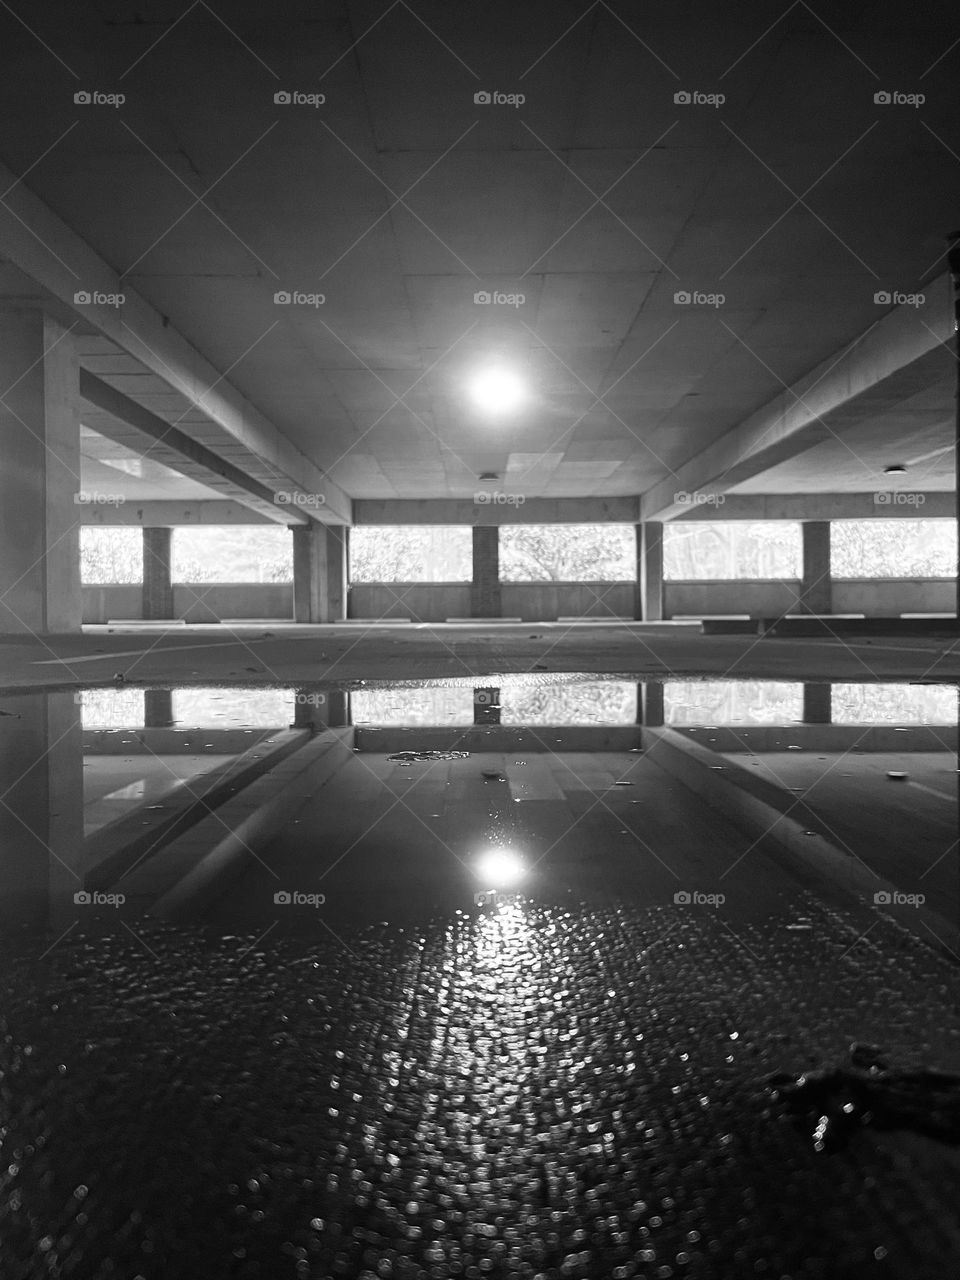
pixel 499 869
pixel 498 390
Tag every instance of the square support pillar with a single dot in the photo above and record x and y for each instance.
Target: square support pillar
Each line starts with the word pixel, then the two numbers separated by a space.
pixel 485 586
pixel 816 590
pixel 649 603
pixel 157 580
pixel 306 573
pixel 41 819
pixel 319 573
pixel 41 496
pixel 335 566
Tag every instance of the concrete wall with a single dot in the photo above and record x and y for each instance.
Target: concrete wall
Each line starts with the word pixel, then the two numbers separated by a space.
pixel 886 597
pixel 547 601
pixel 873 597
pixel 421 601
pixel 531 601
pixel 198 602
pixel 759 599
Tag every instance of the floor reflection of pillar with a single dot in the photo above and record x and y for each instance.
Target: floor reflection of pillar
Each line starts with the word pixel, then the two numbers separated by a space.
pixel 653 703
pixel 41 811
pixel 321 709
pixel 158 708
pixel 486 705
pixel 817 703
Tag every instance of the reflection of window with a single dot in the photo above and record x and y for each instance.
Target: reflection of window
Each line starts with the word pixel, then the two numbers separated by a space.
pixel 233 708
pixel 568 553
pixel 587 703
pixel 394 707
pixel 894 704
pixel 110 555
pixel 716 702
pixel 112 708
pixel 734 549
pixel 893 548
pixel 232 553
pixel 411 553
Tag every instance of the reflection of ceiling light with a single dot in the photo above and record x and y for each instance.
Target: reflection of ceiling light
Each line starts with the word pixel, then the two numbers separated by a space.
pixel 498 390
pixel 499 869
pixel 897 470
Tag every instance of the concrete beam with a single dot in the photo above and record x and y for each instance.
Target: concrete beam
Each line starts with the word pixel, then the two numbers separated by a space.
pixel 46 249
pixel 167 514
pixel 898 356
pixel 823 506
pixel 620 510
pixel 174 448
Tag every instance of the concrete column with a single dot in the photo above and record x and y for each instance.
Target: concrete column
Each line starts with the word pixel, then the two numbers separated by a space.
pixel 41 819
pixel 649 605
pixel 485 587
pixel 157 581
pixel 307 586
pixel 816 591
pixel 817 703
pixel 40 490
pixel 319 573
pixel 953 261
pixel 336 572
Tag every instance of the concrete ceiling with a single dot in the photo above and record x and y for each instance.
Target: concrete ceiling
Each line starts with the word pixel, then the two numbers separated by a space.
pixel 597 200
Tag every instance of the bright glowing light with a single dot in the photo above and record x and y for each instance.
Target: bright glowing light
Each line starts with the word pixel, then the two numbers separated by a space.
pixel 498 390
pixel 499 869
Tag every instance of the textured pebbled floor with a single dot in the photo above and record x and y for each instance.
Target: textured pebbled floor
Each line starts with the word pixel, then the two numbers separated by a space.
pixel 532 1092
